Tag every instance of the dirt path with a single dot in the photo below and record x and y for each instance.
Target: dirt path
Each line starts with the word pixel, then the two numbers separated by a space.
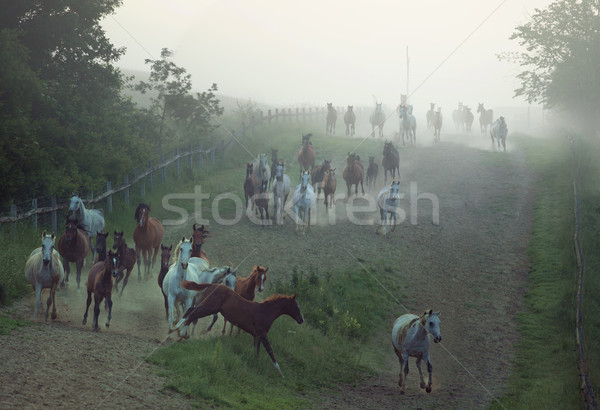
pixel 472 267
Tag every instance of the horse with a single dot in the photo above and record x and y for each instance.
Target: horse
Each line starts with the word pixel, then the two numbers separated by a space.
pixel 388 203
pixel 303 200
pixel 410 337
pixel 390 161
pixel 499 130
pixel 329 184
pixel 43 270
pixel 165 256
pixel 179 271
pixel 429 116
pixel 100 246
pixel 147 236
pixel 354 173
pixel 274 162
pixel 458 117
pixel 468 118
pixel 306 156
pixel 261 199
pixel 127 259
pixel 330 120
pixel 100 283
pixel 246 288
pixel 74 245
pixel 486 117
pixel 438 120
pixel 251 184
pixel 281 189
pixel 90 220
pixel 317 174
pixel 199 235
pixel 261 168
pixel 377 119
pixel 350 121
pixel 252 317
pixel 372 171
pixel 408 124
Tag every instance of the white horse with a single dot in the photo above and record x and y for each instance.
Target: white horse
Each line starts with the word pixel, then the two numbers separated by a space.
pixel 90 220
pixel 179 271
pixel 304 200
pixel 214 275
pixel 229 280
pixel 408 125
pixel 377 119
pixel 261 168
pixel 410 337
pixel 499 130
pixel 43 270
pixel 281 189
pixel 388 201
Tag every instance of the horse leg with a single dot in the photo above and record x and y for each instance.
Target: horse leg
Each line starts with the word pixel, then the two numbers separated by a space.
pixel 97 301
pixel 109 299
pixel 125 279
pixel 67 268
pixel 215 317
pixel 79 266
pixel 87 307
pixel 267 345
pixel 307 227
pixel 156 251
pixel 420 373
pixel 429 371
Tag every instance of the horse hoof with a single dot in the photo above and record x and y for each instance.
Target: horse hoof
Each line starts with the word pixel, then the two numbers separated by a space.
pixel 107 324
pixel 428 389
pixel 423 385
pixel 54 316
pixel 97 329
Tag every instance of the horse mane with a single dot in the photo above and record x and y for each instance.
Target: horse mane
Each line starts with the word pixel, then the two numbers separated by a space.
pixel 278 296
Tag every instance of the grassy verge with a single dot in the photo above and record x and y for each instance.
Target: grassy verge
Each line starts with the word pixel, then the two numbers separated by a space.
pixel 545 374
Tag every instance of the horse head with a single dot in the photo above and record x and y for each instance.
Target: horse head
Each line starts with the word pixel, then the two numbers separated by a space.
pixel 185 252
pixel 304 180
pixel 70 231
pixel 112 263
pixel 198 237
pixel 326 164
pixel 430 320
pixel 260 276
pixel 329 107
pixel 165 255
pixel 101 241
pixel 47 248
pixel 117 238
pixel 141 214
pixel 262 161
pixel 293 309
pixel 350 108
pixel 75 205
pixel 279 170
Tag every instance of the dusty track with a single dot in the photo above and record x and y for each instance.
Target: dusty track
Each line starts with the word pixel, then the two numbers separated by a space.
pixel 472 267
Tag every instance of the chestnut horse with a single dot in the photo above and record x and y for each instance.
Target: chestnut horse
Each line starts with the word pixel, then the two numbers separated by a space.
pixel 261 199
pixel 246 287
pixel 306 156
pixel 147 236
pixel 316 177
pixel 390 161
pixel 350 121
pixel 74 245
pixel 329 184
pixel 127 258
pixel 252 317
pixel 165 256
pixel 251 184
pixel 199 235
pixel 330 120
pixel 100 283
pixel 354 173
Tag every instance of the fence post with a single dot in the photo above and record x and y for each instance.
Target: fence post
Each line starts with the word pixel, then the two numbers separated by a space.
pixel 13 229
pixel 201 156
pixel 34 205
pixel 126 191
pixel 53 214
pixel 109 197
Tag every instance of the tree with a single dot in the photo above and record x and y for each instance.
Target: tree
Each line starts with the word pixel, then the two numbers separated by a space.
pixel 562 57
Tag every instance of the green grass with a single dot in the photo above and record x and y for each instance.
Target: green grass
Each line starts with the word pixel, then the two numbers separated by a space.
pixel 545 373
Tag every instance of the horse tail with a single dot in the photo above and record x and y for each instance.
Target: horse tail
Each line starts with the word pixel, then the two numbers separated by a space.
pixel 191 285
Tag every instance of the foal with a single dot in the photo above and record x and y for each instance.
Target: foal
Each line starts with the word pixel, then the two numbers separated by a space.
pixel 246 288
pixel 127 258
pixel 100 283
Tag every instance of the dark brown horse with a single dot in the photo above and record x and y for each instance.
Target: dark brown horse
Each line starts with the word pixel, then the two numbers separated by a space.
pixel 330 120
pixel 261 199
pixel 127 259
pixel 372 171
pixel 354 173
pixel 246 287
pixel 329 184
pixel 390 161
pixel 165 258
pixel 254 318
pixel 198 237
pixel 73 246
pixel 147 236
pixel 251 185
pixel 274 162
pixel 100 283
pixel 100 246
pixel 306 156
pixel 316 177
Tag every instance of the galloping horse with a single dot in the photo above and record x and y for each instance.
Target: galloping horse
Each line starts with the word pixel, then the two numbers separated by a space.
pixel 246 288
pixel 100 283
pixel 350 121
pixel 499 130
pixel 43 270
pixel 388 204
pixel 306 156
pixel 377 119
pixel 127 258
pixel 303 200
pixel 329 185
pixel 438 120
pixel 390 161
pixel 331 120
pixel 372 171
pixel 458 117
pixel 281 189
pixel 354 173
pixel 430 114
pixel 485 117
pixel 147 236
pixel 410 338
pixel 261 199
pixel 468 118
pixel 408 124
pixel 251 184
pixel 318 172
pixel 252 317
pixel 199 234
pixel 90 220
pixel 165 256
pixel 73 246
pixel 261 168
pixel 274 162
pixel 100 246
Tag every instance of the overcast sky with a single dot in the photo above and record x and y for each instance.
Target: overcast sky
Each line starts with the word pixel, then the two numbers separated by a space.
pixel 309 52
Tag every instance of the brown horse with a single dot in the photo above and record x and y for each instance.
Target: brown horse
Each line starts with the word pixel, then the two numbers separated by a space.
pixel 251 185
pixel 165 257
pixel 316 177
pixel 329 184
pixel 372 171
pixel 246 287
pixel 306 156
pixel 100 246
pixel 198 237
pixel 74 245
pixel 254 318
pixel 390 161
pixel 147 236
pixel 127 258
pixel 354 173
pixel 100 283
pixel 261 199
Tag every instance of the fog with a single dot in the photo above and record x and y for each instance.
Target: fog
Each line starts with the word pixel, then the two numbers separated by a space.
pixel 348 53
